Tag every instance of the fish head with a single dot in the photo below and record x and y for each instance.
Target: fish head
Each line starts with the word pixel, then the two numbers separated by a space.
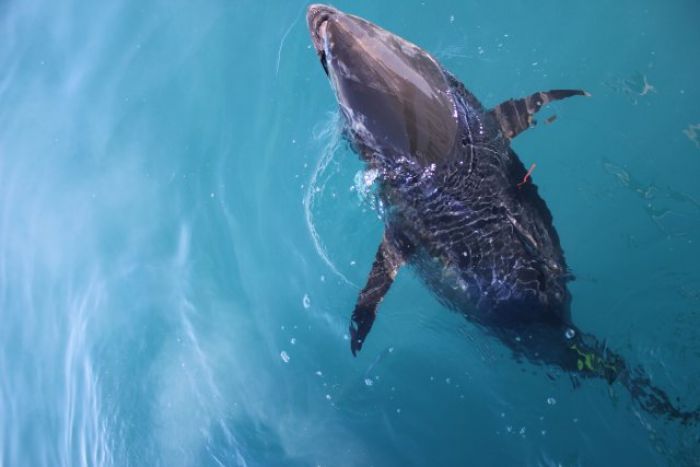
pixel 396 98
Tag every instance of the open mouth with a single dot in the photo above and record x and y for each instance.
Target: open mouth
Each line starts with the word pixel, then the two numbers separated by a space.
pixel 317 17
pixel 322 51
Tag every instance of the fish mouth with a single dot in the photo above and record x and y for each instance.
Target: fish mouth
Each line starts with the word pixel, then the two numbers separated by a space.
pixel 317 17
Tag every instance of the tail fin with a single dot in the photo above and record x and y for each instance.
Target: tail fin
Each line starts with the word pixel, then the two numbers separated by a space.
pixel 653 399
pixel 589 357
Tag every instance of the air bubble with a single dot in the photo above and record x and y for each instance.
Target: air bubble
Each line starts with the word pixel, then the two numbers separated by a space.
pixel 285 356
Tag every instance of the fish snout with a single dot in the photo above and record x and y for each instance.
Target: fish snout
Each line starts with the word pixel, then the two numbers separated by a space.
pixel 316 17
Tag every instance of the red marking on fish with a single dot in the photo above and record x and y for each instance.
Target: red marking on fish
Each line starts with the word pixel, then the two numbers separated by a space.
pixel 527 176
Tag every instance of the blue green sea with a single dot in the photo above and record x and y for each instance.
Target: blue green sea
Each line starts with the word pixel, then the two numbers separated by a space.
pixel 184 232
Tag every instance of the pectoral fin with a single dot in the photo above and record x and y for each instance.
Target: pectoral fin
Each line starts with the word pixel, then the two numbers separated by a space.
pixel 386 264
pixel 516 115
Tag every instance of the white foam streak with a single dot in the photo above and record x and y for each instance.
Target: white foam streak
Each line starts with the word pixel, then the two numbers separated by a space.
pixel 82 419
pixel 332 134
pixel 188 381
pixel 284 38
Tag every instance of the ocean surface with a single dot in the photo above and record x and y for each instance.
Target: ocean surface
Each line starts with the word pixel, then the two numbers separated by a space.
pixel 183 232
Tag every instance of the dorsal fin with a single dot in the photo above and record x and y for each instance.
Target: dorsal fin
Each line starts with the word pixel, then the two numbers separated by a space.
pixel 515 115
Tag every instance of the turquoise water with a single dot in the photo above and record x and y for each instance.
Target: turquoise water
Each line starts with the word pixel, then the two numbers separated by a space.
pixel 183 233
